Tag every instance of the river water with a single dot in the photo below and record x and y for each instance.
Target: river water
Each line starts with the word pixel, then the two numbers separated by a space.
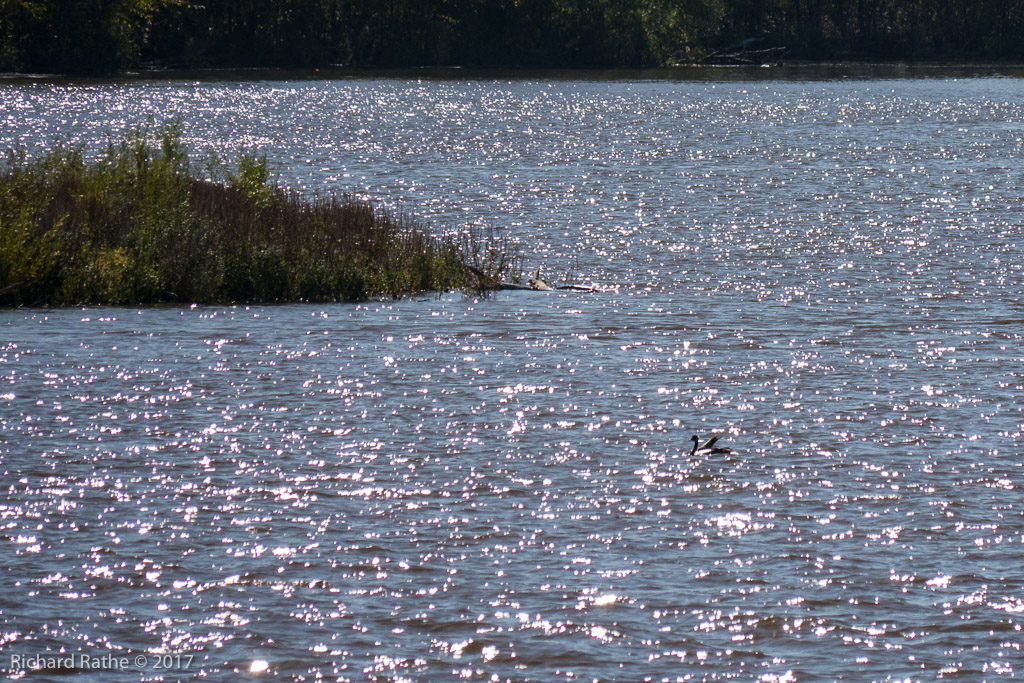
pixel 824 268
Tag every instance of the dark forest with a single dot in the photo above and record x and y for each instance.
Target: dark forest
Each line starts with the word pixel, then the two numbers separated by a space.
pixel 105 36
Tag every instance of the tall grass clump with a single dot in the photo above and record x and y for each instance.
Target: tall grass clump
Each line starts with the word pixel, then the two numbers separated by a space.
pixel 138 225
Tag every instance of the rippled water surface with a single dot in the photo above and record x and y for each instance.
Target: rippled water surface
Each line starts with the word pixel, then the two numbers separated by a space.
pixel 827 271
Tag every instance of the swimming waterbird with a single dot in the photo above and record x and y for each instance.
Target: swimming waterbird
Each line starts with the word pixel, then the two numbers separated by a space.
pixel 708 447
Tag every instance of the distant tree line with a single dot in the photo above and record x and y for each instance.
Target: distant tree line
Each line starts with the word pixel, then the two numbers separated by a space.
pixel 103 36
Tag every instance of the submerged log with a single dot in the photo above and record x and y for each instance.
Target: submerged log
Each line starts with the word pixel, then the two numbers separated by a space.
pixel 543 286
pixel 534 284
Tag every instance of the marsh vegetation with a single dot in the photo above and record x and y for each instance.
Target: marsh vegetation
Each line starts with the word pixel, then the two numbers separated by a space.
pixel 142 224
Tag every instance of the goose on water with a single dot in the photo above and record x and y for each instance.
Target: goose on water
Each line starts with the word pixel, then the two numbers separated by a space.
pixel 708 447
pixel 538 283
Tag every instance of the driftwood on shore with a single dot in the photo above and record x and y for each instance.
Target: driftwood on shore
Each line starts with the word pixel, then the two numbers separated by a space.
pixel 771 56
pixel 9 288
pixel 742 53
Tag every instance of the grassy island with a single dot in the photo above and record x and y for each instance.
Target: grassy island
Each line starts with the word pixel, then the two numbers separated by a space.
pixel 139 225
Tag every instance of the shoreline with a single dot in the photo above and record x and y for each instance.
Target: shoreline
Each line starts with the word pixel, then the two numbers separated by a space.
pixel 789 69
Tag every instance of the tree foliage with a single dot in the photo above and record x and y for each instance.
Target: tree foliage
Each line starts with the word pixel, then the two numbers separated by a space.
pixel 901 29
pixel 100 36
pixel 75 36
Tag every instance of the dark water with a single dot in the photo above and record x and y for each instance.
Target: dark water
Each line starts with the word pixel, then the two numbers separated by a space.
pixel 826 270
